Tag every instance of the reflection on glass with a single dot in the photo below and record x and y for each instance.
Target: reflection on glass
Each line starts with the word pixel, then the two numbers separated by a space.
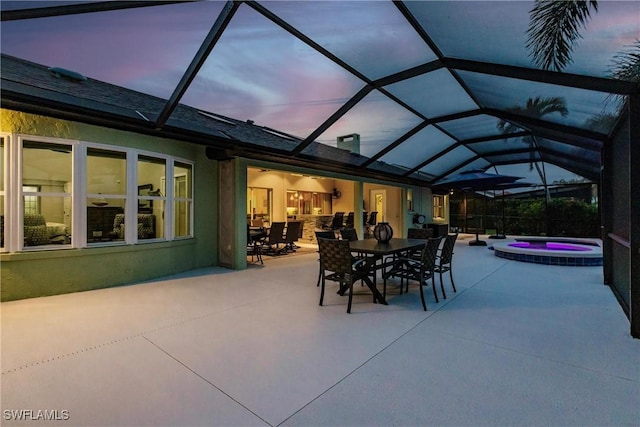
pixel 499 145
pixel 476 127
pixel 582 106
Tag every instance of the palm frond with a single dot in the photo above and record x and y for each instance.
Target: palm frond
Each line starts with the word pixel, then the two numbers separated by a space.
pixel 536 108
pixel 554 27
pixel 625 65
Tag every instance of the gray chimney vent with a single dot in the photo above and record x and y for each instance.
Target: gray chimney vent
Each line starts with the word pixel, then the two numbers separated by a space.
pixel 349 142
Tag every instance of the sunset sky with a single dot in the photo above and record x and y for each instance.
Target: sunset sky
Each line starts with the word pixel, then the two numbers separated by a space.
pixel 262 73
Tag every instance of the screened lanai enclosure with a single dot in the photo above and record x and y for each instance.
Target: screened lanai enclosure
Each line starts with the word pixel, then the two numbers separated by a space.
pixel 429 89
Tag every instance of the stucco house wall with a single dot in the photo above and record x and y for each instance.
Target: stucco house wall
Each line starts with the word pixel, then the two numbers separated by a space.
pixel 48 272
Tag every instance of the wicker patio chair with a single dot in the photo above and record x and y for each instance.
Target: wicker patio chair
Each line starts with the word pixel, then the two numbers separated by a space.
pixel 338 265
pixel 445 259
pixel 420 270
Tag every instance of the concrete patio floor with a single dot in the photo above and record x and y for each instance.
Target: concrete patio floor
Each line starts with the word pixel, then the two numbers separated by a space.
pixel 518 344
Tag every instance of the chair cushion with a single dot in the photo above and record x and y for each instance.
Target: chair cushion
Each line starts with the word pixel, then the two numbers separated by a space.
pixel 34 219
pixel 36 235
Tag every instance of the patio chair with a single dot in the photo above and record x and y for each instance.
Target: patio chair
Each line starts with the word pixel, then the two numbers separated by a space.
pixel 349 221
pixel 371 223
pixel 418 270
pixel 445 259
pixel 419 233
pixel 338 265
pixel 349 234
pixel 323 235
pixel 254 248
pixel 291 235
pixel 275 237
pixel 338 219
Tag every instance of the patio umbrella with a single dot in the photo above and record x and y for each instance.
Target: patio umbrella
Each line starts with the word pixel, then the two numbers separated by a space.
pixel 475 180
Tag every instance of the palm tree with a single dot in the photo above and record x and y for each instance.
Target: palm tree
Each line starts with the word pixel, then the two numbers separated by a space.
pixel 535 108
pixel 554 27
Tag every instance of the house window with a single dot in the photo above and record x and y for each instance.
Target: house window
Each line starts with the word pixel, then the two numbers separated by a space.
pixel 31 202
pixel 121 196
pixel 308 203
pixel 182 199
pixel 259 205
pixel 47 170
pixel 152 172
pixel 106 194
pixel 438 207
pixel 2 193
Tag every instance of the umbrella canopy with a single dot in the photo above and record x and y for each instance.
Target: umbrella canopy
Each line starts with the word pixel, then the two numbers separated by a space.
pixel 476 180
pixel 509 186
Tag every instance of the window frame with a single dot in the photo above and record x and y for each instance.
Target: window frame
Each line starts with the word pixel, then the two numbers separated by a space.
pixel 438 212
pixel 5 190
pixel 17 242
pixel 13 193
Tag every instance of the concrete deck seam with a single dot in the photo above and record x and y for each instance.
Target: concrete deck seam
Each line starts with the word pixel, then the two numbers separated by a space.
pixel 125 338
pixel 559 362
pixel 386 347
pixel 206 380
pixel 73 353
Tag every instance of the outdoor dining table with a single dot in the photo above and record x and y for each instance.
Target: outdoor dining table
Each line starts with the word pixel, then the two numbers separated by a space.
pixel 378 251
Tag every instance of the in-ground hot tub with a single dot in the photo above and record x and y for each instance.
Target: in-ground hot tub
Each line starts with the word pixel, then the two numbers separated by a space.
pixel 552 251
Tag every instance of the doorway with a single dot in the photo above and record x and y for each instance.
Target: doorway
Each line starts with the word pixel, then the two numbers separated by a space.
pixel 378 203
